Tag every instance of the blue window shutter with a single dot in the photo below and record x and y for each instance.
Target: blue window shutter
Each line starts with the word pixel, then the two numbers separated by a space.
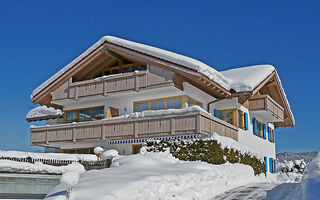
pixel 270 165
pixel 254 123
pixel 264 131
pixel 269 133
pixel 273 136
pixel 246 127
pixel 274 166
pixel 266 163
pixel 216 113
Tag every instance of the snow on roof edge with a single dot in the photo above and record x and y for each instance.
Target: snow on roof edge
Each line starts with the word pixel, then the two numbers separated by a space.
pixel 43 111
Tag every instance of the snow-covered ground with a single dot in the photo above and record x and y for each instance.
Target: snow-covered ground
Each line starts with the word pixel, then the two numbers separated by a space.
pixel 159 176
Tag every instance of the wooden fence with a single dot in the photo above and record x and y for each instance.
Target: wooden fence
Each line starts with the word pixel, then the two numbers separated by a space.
pixel 88 165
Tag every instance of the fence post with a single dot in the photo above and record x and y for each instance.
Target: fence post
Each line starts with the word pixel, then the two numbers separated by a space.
pixel 135 129
pixel 47 137
pixel 74 135
pixel 103 134
pixel 76 93
pixel 136 78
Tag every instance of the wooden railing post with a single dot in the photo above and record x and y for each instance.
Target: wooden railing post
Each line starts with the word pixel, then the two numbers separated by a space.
pixel 136 78
pixel 172 126
pixel 103 134
pixel 105 88
pixel 47 137
pixel 198 128
pixel 74 135
pixel 76 92
pixel 135 129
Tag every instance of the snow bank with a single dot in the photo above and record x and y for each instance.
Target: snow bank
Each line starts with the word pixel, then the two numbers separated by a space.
pixel 43 111
pixel 56 156
pixel 69 178
pixel 39 168
pixel 160 176
pixel 245 79
pixel 311 179
pixel 230 143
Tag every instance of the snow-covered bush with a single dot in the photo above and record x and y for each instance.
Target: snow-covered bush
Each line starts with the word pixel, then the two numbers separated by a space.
pixel 296 166
pixel 311 179
pixel 98 150
pixel 109 154
pixel 207 150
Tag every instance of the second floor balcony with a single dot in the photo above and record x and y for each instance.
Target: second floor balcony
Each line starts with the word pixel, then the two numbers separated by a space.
pixel 103 86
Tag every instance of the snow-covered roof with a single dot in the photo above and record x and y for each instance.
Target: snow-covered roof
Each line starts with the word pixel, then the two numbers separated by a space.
pixel 43 112
pixel 239 79
pixel 245 79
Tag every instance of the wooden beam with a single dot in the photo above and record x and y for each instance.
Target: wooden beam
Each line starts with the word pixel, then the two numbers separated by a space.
pixel 113 54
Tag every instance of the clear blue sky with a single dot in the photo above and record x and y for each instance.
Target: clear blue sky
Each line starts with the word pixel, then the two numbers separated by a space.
pixel 37 38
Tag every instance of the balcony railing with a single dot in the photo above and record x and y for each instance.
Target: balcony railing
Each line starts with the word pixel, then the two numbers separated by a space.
pixel 110 84
pixel 267 104
pixel 109 129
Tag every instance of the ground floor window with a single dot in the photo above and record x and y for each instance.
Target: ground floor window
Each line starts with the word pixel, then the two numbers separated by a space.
pixel 165 103
pixel 136 148
pixel 88 150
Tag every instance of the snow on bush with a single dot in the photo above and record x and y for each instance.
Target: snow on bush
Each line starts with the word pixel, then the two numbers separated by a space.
pixel 55 156
pixel 110 154
pixel 69 179
pixel 98 150
pixel 214 149
pixel 37 168
pixel 296 166
pixel 311 180
pixel 152 176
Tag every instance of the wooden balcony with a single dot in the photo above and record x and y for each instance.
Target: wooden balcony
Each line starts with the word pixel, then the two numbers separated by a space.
pixel 110 84
pixel 109 129
pixel 267 107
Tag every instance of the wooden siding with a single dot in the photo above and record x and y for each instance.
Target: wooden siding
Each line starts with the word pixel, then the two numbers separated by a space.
pixel 265 102
pixel 112 84
pixel 177 124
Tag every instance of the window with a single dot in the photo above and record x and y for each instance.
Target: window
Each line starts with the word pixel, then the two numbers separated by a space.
pixel 175 103
pixel 83 115
pixel 226 115
pixel 192 102
pixel 139 107
pixel 240 119
pixel 97 113
pixel 166 103
pixel 232 116
pixel 157 105
pixel 259 129
pixel 78 151
pixel 126 69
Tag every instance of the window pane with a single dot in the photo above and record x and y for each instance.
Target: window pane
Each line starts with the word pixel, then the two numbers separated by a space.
pixel 193 103
pixel 175 103
pixel 126 69
pixel 134 68
pixel 157 105
pixel 227 116
pixel 115 71
pixel 69 117
pixel 143 68
pixel 84 115
pixel 139 107
pixel 82 151
pixel 97 113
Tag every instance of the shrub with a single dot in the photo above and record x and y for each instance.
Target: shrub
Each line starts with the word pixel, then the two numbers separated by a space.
pixel 209 151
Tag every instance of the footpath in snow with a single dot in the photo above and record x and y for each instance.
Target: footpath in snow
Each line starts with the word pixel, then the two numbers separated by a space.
pixel 159 176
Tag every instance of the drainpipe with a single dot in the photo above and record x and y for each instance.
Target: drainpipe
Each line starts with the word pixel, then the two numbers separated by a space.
pixel 211 102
